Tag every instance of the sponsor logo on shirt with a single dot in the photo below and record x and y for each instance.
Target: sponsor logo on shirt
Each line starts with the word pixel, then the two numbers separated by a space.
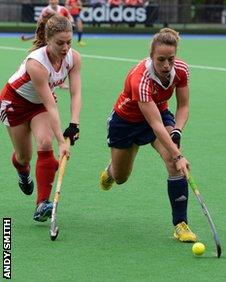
pixel 123 103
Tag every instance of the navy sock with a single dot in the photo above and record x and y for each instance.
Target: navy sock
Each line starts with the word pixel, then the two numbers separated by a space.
pixel 178 195
pixel 79 36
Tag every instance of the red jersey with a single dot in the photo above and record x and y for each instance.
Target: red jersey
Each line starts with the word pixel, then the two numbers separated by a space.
pixel 74 6
pixel 142 85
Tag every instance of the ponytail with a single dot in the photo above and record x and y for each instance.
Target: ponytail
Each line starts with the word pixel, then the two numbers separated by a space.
pixel 40 37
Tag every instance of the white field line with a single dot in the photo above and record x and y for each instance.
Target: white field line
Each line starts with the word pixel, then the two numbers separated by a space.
pixel 118 59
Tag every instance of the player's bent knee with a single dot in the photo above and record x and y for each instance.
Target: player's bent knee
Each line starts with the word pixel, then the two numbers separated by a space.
pixel 45 144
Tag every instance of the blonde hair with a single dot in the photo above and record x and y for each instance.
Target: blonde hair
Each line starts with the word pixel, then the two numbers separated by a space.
pixel 166 36
pixel 48 26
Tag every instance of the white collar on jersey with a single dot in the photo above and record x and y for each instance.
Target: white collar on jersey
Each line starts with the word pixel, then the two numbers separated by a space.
pixel 150 68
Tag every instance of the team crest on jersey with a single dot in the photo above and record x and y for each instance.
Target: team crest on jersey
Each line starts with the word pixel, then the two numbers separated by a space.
pixel 124 102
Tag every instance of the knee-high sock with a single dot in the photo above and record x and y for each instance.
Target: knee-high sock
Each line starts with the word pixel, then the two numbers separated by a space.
pixel 79 36
pixel 25 169
pixel 178 195
pixel 46 167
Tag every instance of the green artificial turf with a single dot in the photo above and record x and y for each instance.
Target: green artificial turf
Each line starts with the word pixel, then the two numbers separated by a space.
pixel 124 234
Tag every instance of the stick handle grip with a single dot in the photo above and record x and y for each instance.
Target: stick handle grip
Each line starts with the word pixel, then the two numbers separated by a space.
pixel 191 182
pixel 62 168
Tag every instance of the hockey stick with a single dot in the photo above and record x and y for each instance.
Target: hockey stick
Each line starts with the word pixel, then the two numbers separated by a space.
pixel 26 38
pixel 54 230
pixel 195 189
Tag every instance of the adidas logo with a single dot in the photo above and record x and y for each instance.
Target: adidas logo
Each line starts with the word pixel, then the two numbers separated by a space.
pixel 181 199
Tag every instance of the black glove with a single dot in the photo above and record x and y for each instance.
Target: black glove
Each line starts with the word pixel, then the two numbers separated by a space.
pixel 72 132
pixel 176 135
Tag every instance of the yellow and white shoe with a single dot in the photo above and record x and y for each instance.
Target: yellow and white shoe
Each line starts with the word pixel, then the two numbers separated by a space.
pixel 183 233
pixel 81 43
pixel 106 182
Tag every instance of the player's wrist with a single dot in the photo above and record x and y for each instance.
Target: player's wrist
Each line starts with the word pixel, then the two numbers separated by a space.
pixel 176 135
pixel 177 158
pixel 176 131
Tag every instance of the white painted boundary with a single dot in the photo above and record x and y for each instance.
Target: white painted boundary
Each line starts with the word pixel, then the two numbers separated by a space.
pixel 118 59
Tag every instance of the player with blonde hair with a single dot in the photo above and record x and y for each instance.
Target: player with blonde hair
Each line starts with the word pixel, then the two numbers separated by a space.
pixel 141 116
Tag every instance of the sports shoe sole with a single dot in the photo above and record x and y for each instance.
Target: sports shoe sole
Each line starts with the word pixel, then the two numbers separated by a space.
pixel 27 191
pixel 47 214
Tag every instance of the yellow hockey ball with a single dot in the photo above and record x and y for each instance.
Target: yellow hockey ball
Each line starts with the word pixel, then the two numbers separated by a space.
pixel 198 248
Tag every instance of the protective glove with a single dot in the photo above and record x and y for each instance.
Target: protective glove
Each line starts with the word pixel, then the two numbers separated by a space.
pixel 176 135
pixel 72 132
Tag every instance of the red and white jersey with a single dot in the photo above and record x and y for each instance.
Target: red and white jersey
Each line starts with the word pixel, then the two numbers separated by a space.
pixel 61 11
pixel 21 82
pixel 142 85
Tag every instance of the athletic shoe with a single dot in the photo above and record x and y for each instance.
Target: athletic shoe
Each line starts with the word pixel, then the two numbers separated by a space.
pixel 106 181
pixel 26 183
pixel 183 233
pixel 81 43
pixel 43 211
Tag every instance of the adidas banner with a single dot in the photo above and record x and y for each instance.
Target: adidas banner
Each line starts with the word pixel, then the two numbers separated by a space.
pixel 104 14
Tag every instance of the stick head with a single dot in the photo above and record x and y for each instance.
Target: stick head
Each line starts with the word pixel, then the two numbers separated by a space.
pixel 54 233
pixel 218 251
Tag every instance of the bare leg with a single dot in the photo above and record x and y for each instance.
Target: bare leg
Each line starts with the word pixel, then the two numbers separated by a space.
pixel 119 168
pixel 122 163
pixel 170 166
pixel 22 142
pixel 79 25
pixel 42 132
pixel 79 28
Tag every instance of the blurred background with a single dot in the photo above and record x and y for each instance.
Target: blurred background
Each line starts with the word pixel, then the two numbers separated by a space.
pixel 125 16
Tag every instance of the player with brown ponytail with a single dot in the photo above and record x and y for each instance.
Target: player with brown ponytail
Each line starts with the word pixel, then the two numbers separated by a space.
pixel 29 110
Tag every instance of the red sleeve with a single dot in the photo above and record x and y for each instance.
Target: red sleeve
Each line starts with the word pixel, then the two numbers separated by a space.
pixel 183 80
pixel 182 73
